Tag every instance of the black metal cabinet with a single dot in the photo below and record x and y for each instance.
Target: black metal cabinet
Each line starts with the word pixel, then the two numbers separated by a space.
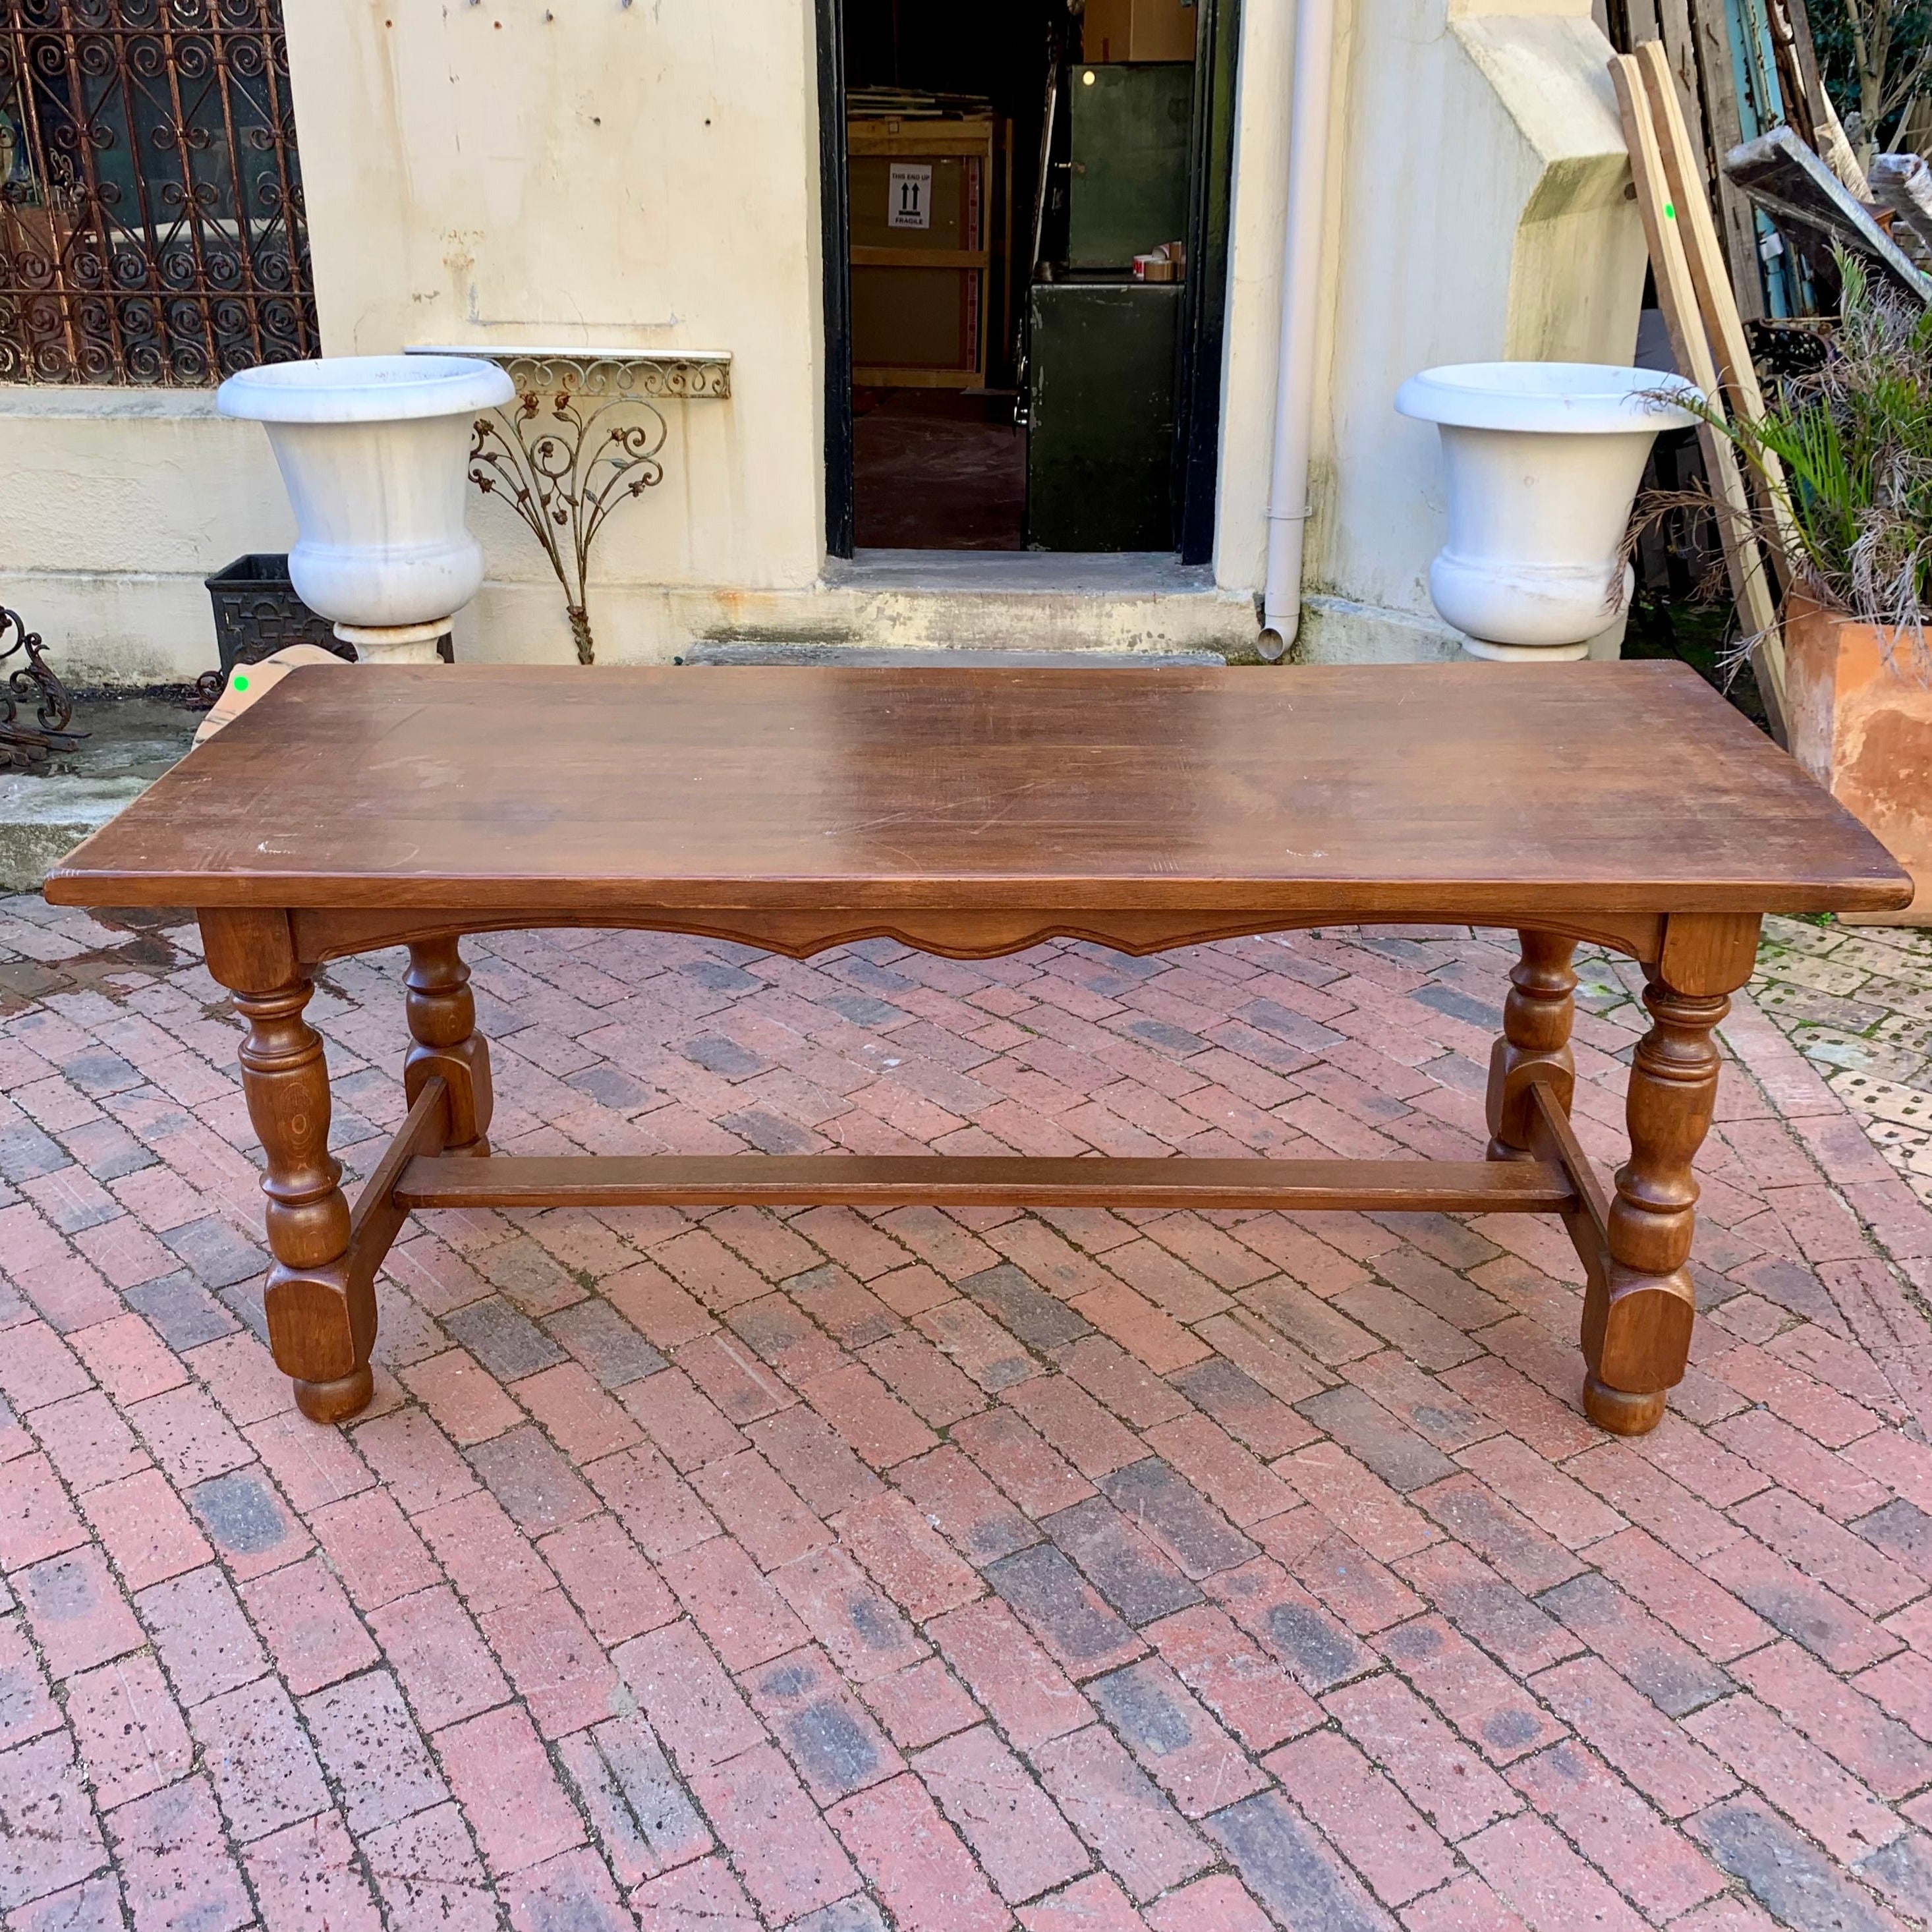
pixel 1127 192
pixel 257 613
pixel 1101 408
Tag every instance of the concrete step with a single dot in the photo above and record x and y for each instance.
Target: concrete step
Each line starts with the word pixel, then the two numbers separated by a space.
pixel 931 656
pixel 131 740
pixel 1002 602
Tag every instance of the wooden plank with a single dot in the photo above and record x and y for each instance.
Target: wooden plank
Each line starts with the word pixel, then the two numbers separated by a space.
pixel 1724 125
pixel 1793 82
pixel 1703 249
pixel 1794 186
pixel 916 139
pixel 1006 248
pixel 1724 332
pixel 1587 1219
pixel 920 258
pixel 1554 1142
pixel 1677 296
pixel 1816 100
pixel 1447 1187
pixel 881 376
pixel 983 238
pixel 1678 37
pixel 377 1217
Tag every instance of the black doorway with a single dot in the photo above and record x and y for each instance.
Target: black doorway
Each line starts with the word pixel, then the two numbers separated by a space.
pixel 915 105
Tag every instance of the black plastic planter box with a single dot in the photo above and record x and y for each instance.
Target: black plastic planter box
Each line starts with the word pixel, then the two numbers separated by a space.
pixel 257 612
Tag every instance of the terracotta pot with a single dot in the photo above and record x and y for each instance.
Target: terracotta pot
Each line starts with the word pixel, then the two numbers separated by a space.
pixel 1864 731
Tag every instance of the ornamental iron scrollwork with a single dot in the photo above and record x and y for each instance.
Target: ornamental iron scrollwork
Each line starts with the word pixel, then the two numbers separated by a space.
pixel 583 436
pixel 152 224
pixel 663 376
pixel 563 471
pixel 30 686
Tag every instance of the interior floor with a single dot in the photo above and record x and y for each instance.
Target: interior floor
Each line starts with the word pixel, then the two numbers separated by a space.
pixel 933 470
pixel 936 469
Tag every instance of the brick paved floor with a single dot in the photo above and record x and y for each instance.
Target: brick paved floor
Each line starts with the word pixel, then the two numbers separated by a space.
pixel 825 1572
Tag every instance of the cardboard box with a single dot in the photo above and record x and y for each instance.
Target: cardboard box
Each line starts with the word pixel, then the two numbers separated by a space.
pixel 1139 30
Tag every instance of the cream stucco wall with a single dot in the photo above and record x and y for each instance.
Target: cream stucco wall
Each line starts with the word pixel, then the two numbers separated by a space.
pixel 656 166
pixel 114 505
pixel 499 172
pixel 1476 212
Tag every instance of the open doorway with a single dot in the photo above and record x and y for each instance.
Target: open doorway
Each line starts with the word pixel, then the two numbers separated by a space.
pixel 1026 234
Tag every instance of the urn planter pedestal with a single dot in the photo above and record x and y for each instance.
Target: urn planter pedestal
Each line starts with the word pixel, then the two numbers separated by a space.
pixel 1543 461
pixel 374 453
pixel 1864 730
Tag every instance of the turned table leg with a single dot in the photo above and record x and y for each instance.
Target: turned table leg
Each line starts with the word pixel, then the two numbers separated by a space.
pixel 443 1023
pixel 1640 1307
pixel 321 1323
pixel 1636 1327
pixel 1535 1045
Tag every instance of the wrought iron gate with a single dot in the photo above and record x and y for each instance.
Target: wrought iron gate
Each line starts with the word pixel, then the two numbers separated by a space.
pixel 150 212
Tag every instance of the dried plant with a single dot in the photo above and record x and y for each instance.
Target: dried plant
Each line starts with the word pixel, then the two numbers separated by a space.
pixel 1851 442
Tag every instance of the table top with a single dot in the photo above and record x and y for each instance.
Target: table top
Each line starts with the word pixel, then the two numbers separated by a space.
pixel 1450 789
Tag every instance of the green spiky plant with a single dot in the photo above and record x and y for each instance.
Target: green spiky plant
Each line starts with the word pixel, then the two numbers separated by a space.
pixel 1853 441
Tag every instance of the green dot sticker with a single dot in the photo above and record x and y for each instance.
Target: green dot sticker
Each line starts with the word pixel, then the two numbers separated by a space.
pixel 1670 211
pixel 241 683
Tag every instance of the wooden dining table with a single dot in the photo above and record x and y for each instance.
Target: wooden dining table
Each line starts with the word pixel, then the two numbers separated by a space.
pixel 973 813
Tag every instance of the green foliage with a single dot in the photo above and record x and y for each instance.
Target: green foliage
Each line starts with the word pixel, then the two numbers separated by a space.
pixel 1853 445
pixel 1837 57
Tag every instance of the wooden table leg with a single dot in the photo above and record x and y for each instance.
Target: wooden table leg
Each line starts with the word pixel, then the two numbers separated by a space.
pixel 443 1023
pixel 1535 1045
pixel 321 1324
pixel 1637 1319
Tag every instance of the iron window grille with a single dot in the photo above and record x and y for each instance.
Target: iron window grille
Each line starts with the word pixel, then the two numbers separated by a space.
pixel 151 228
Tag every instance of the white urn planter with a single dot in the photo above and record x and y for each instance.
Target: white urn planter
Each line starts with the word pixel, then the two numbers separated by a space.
pixel 374 453
pixel 1543 461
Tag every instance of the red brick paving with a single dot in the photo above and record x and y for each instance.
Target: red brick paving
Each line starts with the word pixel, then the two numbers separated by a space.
pixel 836 1573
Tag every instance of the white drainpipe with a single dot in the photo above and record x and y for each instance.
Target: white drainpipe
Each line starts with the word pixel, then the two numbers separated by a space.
pixel 1301 272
